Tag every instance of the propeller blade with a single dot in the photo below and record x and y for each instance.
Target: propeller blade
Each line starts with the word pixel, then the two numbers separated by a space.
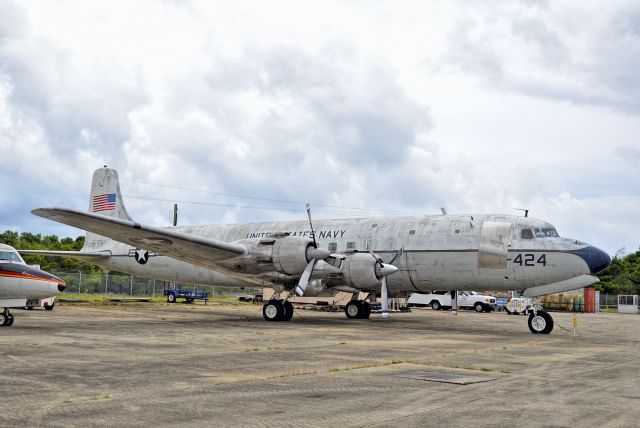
pixel 385 298
pixel 376 258
pixel 398 254
pixel 304 278
pixel 313 234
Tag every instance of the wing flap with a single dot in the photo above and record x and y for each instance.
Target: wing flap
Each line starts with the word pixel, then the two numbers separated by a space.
pixel 182 246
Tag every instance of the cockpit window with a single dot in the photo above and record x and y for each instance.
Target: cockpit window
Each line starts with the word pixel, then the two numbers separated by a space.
pixel 547 232
pixel 10 256
pixel 526 234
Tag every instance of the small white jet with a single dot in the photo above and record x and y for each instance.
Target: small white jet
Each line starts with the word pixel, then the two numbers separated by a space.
pixel 386 257
pixel 22 285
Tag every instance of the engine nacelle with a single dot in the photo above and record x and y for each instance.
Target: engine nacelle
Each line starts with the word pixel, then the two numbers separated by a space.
pixel 287 255
pixel 291 254
pixel 360 271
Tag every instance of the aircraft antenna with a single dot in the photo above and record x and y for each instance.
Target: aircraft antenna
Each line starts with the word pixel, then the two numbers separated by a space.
pixel 526 211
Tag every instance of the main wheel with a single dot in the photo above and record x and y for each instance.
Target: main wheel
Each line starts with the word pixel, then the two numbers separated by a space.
pixel 366 310
pixel 50 307
pixel 435 305
pixel 540 323
pixel 353 310
pixel 288 311
pixel 9 321
pixel 273 310
pixel 479 307
pixel 171 298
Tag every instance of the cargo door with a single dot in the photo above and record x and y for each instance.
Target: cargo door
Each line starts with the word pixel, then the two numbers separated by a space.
pixel 493 249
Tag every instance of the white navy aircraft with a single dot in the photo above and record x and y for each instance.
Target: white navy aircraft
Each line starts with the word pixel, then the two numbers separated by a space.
pixel 386 257
pixel 22 285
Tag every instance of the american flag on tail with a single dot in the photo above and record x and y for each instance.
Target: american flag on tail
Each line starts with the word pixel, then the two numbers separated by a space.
pixel 105 202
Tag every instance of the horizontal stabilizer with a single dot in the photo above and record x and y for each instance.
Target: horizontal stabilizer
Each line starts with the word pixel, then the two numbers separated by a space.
pixel 81 255
pixel 171 243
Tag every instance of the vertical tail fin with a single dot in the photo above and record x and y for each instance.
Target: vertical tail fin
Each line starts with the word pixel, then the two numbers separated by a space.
pixel 106 200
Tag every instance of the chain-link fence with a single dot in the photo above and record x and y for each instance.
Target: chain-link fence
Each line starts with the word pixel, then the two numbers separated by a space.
pixel 130 285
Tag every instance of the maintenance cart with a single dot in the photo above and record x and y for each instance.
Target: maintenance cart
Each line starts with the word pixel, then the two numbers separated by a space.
pixel 174 292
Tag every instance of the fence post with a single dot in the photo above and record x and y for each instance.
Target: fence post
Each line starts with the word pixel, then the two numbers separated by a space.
pixel 131 289
pixel 153 293
pixel 79 280
pixel 106 283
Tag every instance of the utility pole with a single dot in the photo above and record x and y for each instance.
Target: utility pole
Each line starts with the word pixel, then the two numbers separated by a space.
pixel 175 214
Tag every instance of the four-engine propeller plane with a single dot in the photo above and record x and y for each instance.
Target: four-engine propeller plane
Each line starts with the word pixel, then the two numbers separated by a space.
pixel 387 257
pixel 22 285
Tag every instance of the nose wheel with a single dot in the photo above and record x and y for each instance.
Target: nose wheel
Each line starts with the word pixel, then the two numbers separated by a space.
pixel 540 322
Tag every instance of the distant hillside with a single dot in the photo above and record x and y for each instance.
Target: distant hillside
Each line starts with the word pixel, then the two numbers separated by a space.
pixel 623 276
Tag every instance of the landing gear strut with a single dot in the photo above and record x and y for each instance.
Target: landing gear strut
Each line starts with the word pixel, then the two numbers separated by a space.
pixel 357 309
pixel 277 310
pixel 6 318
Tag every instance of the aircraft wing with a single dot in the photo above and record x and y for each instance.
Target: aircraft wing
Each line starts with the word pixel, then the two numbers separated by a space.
pixel 182 246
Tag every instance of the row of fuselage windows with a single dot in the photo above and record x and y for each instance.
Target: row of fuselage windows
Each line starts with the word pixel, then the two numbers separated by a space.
pixel 538 233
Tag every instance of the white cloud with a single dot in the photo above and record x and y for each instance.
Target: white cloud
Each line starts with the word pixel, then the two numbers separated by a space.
pixel 478 107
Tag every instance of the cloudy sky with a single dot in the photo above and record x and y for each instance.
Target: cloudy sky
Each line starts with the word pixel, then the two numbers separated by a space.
pixel 360 107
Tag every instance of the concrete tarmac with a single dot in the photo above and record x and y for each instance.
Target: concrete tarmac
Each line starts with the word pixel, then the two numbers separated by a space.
pixel 156 364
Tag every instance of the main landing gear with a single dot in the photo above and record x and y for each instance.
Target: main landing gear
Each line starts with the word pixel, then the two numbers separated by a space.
pixel 357 309
pixel 277 310
pixel 6 318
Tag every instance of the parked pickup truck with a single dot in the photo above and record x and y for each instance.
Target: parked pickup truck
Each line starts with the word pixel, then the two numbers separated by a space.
pixel 442 300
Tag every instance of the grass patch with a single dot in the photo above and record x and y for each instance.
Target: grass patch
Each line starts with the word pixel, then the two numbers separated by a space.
pixel 485 369
pixel 251 350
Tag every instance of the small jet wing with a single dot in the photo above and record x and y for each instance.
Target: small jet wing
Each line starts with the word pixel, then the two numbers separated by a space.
pixel 182 246
pixel 81 255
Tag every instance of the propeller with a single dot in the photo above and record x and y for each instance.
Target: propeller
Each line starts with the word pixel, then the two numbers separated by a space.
pixel 383 270
pixel 314 255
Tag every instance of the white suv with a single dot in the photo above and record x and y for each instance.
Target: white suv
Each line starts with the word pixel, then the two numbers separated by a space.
pixel 442 300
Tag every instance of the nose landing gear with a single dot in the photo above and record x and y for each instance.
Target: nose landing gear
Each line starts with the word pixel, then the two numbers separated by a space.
pixel 540 322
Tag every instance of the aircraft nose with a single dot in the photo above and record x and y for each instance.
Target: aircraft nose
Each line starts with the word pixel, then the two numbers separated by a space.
pixel 596 259
pixel 61 285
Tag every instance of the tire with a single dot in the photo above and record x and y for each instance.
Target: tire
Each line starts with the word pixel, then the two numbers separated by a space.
pixel 190 300
pixel 171 298
pixel 435 305
pixel 9 321
pixel 507 311
pixel 479 307
pixel 366 310
pixel 50 307
pixel 273 310
pixel 288 311
pixel 353 309
pixel 540 323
